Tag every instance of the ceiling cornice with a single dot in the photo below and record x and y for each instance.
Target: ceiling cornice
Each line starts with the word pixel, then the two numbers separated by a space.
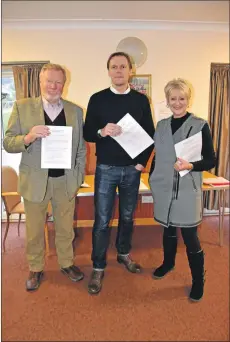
pixel 115 24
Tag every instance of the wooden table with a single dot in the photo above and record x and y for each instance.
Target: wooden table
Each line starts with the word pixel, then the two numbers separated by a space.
pixel 84 211
pixel 221 201
pixel 89 179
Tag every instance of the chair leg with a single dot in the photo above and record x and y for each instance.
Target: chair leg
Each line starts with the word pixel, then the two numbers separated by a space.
pixel 47 237
pixel 19 220
pixel 6 232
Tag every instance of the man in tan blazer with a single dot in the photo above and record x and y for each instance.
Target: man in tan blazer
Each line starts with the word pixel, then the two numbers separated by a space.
pixel 26 128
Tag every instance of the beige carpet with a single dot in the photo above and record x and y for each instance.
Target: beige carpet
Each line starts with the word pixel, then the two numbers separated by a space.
pixel 131 307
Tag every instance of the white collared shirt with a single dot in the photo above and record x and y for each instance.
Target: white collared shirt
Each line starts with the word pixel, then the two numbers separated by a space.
pixel 115 91
pixel 52 110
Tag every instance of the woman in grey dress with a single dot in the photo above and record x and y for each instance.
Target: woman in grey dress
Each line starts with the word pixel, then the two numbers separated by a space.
pixel 178 200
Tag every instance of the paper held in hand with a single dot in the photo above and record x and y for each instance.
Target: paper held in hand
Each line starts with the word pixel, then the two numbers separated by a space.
pixel 133 138
pixel 56 149
pixel 189 149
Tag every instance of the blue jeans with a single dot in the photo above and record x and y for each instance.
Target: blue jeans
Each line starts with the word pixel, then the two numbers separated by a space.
pixel 107 179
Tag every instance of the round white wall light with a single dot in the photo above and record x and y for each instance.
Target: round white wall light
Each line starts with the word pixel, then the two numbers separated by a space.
pixel 135 48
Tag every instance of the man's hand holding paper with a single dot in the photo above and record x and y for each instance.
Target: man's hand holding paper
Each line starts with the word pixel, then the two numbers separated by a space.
pixel 133 138
pixel 111 129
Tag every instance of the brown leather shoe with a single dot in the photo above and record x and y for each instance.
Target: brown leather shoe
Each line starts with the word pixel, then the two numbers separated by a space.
pixel 73 273
pixel 129 263
pixel 95 283
pixel 34 280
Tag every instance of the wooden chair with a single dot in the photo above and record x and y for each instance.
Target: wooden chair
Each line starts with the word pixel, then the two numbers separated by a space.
pixel 90 166
pixel 13 203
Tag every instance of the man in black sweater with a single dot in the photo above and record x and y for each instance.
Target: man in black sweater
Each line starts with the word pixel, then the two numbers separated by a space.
pixel 115 168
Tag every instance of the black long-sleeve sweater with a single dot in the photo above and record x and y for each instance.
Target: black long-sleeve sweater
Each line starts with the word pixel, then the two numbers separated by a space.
pixel 207 151
pixel 107 107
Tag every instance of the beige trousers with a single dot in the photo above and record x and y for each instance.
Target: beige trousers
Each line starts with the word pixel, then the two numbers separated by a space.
pixel 63 211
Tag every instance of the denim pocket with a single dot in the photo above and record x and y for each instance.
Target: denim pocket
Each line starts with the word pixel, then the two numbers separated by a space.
pixel 105 167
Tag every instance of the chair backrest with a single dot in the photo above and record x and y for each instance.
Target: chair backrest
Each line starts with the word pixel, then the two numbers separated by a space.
pixel 90 159
pixel 9 184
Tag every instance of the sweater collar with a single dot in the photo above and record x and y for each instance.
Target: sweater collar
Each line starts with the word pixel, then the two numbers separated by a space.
pixel 117 92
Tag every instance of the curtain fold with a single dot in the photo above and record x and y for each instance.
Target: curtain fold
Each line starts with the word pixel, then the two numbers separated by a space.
pixel 218 119
pixel 26 80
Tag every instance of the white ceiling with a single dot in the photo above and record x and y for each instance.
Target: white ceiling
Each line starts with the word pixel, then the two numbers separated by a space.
pixel 184 11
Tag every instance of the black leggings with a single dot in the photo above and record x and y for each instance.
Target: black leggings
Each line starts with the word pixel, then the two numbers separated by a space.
pixel 189 235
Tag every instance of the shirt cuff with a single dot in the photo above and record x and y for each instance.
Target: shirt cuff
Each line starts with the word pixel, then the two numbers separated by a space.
pixel 99 134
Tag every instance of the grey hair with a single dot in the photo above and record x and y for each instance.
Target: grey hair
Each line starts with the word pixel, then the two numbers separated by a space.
pixel 51 66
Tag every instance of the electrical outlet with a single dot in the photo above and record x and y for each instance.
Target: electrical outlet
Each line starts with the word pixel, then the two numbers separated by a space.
pixel 147 199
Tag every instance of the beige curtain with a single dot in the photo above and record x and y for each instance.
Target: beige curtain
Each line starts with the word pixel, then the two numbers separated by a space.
pixel 26 80
pixel 218 119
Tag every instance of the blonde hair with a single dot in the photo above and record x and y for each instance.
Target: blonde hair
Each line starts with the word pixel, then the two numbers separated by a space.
pixel 178 83
pixel 51 66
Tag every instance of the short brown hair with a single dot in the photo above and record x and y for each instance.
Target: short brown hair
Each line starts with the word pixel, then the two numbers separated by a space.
pixel 123 54
pixel 51 66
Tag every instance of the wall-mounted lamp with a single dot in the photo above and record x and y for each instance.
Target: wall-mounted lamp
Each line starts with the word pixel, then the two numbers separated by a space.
pixel 135 48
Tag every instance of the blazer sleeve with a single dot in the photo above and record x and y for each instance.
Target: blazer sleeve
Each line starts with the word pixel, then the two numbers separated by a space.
pixel 14 139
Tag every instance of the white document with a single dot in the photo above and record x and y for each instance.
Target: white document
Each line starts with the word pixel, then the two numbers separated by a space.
pixel 56 149
pixel 133 138
pixel 189 149
pixel 161 111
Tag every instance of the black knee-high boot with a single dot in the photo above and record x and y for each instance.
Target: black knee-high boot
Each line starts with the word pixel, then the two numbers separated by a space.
pixel 196 263
pixel 170 249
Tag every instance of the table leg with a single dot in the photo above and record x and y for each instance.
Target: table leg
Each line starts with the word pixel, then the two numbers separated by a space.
pixel 221 214
pixel 202 212
pixel 222 219
pixel 203 201
pixel 219 204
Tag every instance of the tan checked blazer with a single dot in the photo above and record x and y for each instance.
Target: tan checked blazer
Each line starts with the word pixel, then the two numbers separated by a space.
pixel 32 179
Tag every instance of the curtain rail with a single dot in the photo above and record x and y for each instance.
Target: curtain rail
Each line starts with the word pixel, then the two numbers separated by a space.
pixel 223 65
pixel 24 63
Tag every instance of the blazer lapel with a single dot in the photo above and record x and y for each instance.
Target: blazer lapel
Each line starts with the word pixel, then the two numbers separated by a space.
pixel 70 114
pixel 38 112
pixel 71 120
